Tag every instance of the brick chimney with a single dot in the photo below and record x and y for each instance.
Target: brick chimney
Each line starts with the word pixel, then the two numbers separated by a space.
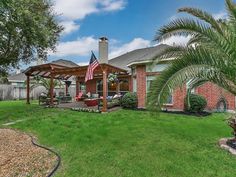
pixel 103 50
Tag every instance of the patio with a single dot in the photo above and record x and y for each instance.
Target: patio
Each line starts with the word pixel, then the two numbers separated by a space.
pixel 54 71
pixel 79 104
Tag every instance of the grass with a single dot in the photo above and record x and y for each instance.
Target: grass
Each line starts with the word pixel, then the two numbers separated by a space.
pixel 127 143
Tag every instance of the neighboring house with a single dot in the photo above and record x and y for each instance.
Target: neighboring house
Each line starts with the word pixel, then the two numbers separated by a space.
pixel 18 86
pixel 17 80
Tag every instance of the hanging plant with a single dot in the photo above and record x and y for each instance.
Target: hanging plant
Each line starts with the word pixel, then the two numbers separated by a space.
pixel 112 78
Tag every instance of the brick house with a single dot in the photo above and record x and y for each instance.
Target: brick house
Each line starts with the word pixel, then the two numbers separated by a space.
pixel 135 73
pixel 142 72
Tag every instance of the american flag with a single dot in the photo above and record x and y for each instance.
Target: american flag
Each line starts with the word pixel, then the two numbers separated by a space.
pixel 92 65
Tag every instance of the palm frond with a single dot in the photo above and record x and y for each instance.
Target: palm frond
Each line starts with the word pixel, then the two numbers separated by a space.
pixel 208 18
pixel 181 27
pixel 231 8
pixel 168 53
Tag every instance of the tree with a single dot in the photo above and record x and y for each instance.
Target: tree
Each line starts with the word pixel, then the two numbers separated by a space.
pixel 210 55
pixel 28 29
pixel 46 83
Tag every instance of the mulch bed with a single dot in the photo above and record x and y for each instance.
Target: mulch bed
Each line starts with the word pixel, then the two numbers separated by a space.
pixel 231 143
pixel 202 114
pixel 228 144
pixel 19 157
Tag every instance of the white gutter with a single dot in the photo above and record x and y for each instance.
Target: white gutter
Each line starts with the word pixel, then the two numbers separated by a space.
pixel 147 61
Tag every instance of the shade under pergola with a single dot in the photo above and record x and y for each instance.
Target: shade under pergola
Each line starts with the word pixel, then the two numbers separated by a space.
pixel 55 71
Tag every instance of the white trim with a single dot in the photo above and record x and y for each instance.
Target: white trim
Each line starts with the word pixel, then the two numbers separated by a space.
pixel 146 61
pixel 169 104
pixel 16 81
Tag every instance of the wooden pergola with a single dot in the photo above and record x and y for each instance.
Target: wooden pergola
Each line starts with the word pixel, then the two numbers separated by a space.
pixel 55 71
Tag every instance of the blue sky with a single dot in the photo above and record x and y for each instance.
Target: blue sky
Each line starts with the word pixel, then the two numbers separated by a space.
pixel 129 24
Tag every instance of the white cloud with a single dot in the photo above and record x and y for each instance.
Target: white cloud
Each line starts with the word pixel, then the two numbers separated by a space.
pixel 69 27
pixel 178 40
pixel 82 63
pixel 83 47
pixel 80 47
pixel 134 44
pixel 220 15
pixel 79 9
pixel 113 5
pixel 72 10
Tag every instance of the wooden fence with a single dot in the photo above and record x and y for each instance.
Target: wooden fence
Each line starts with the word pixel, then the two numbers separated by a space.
pixel 10 92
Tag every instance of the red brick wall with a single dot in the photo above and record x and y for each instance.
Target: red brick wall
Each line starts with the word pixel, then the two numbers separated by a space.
pixel 210 91
pixel 141 85
pixel 213 93
pixel 178 98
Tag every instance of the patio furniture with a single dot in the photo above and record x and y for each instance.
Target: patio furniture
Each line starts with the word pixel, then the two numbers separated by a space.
pixel 112 101
pixel 64 99
pixel 80 97
pixel 91 102
pixel 44 100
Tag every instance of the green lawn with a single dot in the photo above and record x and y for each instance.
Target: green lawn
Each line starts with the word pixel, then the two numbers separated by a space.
pixel 127 143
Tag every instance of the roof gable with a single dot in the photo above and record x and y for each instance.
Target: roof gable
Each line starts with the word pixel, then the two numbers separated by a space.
pixel 137 55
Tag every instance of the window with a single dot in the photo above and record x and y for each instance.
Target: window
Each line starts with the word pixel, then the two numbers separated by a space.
pixel 82 87
pixel 156 68
pixel 123 86
pixel 149 81
pixel 99 87
pixel 113 87
pixel 188 86
pixel 170 98
pixel 133 71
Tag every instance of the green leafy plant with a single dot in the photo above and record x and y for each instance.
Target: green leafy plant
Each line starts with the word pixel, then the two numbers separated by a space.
pixel 232 123
pixel 208 56
pixel 194 103
pixel 129 100
pixel 44 82
pixel 112 77
pixel 86 110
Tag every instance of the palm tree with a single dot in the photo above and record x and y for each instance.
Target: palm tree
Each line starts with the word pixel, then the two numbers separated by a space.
pixel 210 55
pixel 40 81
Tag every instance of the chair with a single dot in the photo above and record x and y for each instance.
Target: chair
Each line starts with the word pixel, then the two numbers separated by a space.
pixel 64 98
pixel 79 97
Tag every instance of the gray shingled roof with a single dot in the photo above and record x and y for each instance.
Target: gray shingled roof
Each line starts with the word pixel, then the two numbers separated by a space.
pixel 65 63
pixel 120 61
pixel 137 55
pixel 21 76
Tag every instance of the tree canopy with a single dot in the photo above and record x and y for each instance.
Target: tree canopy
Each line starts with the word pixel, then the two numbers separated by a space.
pixel 210 55
pixel 28 29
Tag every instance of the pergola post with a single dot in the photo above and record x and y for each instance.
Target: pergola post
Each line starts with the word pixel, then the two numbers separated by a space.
pixel 104 80
pixel 28 89
pixel 66 89
pixel 77 86
pixel 51 90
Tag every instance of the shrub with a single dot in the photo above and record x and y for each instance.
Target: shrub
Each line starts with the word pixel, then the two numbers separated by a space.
pixel 129 100
pixel 194 103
